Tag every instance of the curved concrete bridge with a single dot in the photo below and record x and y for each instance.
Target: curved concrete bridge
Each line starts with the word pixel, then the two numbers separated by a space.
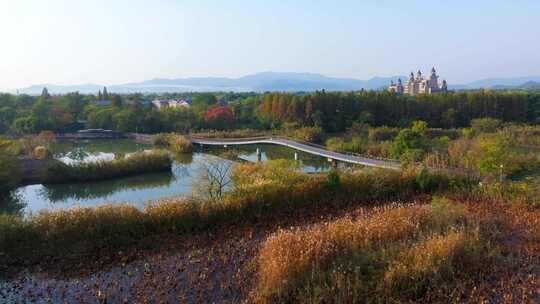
pixel 308 148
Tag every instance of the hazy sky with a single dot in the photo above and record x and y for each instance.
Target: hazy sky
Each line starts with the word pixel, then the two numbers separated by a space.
pixel 117 41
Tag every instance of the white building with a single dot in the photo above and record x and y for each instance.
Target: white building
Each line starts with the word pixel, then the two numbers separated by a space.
pixel 419 85
pixel 173 103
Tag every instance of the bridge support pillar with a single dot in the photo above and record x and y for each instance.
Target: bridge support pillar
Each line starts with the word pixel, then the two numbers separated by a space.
pixel 333 162
pixel 296 156
pixel 259 155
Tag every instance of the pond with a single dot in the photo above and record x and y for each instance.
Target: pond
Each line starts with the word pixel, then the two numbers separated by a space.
pixel 138 190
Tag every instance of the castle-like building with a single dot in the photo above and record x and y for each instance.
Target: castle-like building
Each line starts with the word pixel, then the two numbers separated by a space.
pixel 419 85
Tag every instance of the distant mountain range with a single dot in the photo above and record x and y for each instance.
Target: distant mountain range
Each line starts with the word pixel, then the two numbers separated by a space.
pixel 261 82
pixel 269 81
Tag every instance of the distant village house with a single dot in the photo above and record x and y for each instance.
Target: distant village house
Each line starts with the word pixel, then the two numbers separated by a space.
pixel 171 103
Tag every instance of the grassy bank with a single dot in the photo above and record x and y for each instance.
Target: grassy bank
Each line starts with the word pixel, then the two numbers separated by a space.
pixel 138 163
pixel 88 229
pixel 397 255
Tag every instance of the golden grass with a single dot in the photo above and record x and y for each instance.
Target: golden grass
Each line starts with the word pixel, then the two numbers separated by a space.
pixel 64 231
pixel 399 253
pixel 180 144
pixel 432 263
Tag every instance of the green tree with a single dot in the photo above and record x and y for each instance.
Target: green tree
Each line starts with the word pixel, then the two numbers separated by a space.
pixel 495 154
pixel 202 102
pixel 45 94
pixel 116 101
pixel 9 167
pixel 411 142
pixel 125 121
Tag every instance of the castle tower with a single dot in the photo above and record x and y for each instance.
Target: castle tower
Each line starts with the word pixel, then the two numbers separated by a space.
pixel 444 87
pixel 434 81
pixel 399 86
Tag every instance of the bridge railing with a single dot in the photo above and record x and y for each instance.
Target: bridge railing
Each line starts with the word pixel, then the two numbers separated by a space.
pixel 278 137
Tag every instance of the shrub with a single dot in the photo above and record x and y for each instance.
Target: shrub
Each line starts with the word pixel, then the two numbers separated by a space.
pixel 161 139
pixel 356 145
pixel 485 125
pixel 47 138
pixel 335 144
pixel 174 142
pixel 382 133
pixel 41 152
pixel 309 134
pixel 425 181
pixel 491 152
pixel 359 130
pixel 381 149
pixel 333 180
pixel 411 156
pixel 180 144
pixel 410 139
pixel 467 133
pixel 450 133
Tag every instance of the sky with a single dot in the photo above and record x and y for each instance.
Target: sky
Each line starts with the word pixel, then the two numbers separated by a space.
pixel 119 41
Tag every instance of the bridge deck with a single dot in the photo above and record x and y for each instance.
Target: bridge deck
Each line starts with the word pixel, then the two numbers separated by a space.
pixel 348 158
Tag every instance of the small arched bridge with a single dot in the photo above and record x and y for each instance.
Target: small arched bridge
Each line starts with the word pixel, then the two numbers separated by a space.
pixel 304 147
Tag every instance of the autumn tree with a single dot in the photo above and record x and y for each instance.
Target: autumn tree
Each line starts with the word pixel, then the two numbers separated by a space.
pixel 219 118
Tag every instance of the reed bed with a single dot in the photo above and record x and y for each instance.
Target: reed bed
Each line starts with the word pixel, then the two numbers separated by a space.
pixel 87 229
pixel 138 163
pixel 400 254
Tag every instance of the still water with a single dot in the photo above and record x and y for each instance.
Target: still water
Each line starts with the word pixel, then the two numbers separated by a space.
pixel 137 190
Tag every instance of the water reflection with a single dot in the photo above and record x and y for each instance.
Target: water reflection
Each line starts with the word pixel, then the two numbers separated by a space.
pixel 139 190
pixel 94 190
pixel 308 162
pixel 11 203
pixel 183 158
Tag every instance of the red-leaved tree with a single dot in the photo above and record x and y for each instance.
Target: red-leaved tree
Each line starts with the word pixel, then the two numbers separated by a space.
pixel 219 118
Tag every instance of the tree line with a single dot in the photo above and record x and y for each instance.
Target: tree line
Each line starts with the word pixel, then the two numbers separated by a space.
pixel 335 112
pixel 331 111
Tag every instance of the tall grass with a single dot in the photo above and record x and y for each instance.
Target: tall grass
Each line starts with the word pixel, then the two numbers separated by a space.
pixel 86 229
pixel 176 143
pixel 398 254
pixel 138 163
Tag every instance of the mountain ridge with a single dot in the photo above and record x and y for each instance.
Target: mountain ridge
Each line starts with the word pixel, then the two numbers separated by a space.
pixel 268 81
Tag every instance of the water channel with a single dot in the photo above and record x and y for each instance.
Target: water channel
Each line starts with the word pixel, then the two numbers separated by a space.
pixel 142 189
